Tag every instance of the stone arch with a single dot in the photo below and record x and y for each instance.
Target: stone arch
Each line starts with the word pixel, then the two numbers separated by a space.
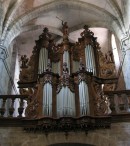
pixel 95 138
pixel 15 27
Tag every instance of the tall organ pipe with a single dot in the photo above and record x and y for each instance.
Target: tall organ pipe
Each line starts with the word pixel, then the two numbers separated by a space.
pixel 90 60
pixel 47 99
pixel 43 59
pixel 65 102
pixel 83 98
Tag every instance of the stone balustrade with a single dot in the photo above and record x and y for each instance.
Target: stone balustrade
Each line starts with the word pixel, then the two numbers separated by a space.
pixel 119 101
pixel 12 105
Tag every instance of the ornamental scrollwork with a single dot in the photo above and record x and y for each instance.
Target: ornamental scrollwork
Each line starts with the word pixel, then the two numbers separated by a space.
pixel 47 79
pixel 33 103
pixel 102 104
pixel 65 80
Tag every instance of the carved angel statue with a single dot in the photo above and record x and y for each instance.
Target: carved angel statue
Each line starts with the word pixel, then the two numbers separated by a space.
pixel 81 65
pixel 65 28
pixel 65 71
pixel 24 60
pixel 108 110
pixel 49 66
pixel 109 57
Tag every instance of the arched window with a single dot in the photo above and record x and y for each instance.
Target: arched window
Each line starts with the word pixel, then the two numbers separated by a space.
pixel 115 52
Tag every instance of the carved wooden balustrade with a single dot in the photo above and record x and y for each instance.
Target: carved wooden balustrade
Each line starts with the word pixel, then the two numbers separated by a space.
pixel 119 104
pixel 119 101
pixel 8 108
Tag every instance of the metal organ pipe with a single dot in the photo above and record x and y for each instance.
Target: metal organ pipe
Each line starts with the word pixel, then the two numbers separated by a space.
pixel 83 98
pixel 90 60
pixel 43 59
pixel 65 102
pixel 47 99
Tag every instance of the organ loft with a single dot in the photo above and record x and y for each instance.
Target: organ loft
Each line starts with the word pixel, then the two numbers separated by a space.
pixel 67 81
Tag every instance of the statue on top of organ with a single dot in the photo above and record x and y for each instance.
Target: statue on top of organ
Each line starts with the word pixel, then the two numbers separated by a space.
pixel 69 76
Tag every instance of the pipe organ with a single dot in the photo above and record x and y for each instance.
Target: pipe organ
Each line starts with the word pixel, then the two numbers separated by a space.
pixel 47 99
pixel 83 98
pixel 67 77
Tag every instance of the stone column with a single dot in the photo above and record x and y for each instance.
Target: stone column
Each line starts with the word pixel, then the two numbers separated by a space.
pixel 3 73
pixel 126 64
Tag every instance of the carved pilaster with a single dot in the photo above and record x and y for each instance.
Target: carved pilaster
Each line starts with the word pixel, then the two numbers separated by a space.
pixel 54 89
pixel 77 104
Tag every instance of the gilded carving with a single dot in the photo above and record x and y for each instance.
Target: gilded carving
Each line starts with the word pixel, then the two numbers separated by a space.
pixel 102 105
pixel 107 67
pixel 28 68
pixel 65 79
pixel 76 52
pixel 109 87
pixel 47 79
pixel 54 53
pixel 32 110
pixel 24 61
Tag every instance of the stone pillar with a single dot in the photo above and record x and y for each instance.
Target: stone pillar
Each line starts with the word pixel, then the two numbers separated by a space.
pixel 3 73
pixel 126 65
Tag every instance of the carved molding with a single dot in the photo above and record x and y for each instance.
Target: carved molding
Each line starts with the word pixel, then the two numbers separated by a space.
pixel 67 124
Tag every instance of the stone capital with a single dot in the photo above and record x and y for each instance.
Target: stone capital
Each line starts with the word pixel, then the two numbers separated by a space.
pixel 3 52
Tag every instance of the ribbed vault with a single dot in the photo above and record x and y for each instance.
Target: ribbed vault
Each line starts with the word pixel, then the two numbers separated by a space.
pixel 20 16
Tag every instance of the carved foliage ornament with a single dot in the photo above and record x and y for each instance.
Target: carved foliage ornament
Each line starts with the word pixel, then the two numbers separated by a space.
pixel 65 80
pixel 33 103
pixel 47 79
pixel 101 101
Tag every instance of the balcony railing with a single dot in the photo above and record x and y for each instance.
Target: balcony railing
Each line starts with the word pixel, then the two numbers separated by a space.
pixel 15 105
pixel 12 113
pixel 119 101
pixel 12 105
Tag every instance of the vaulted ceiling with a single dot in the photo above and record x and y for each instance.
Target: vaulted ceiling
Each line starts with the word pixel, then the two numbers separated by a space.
pixel 26 18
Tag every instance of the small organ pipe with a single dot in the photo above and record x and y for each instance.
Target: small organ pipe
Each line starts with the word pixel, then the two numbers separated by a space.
pixel 90 61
